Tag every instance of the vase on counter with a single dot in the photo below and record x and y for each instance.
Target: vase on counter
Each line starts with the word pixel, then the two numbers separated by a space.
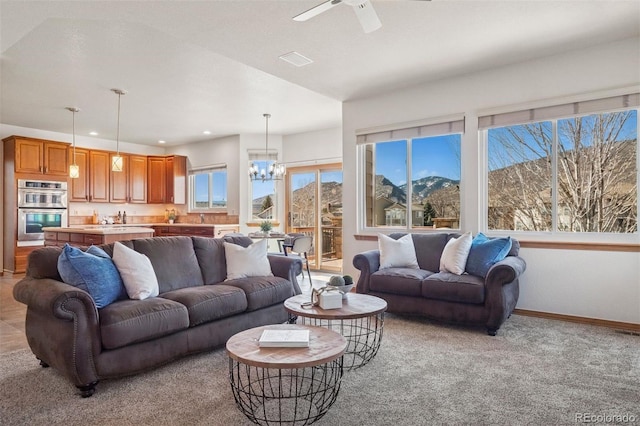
pixel 170 221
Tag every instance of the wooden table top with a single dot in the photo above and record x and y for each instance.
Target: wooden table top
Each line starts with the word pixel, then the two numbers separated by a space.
pixel 354 306
pixel 324 346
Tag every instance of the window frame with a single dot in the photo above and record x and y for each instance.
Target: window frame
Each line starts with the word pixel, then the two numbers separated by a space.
pixel 208 170
pixel 554 235
pixel 408 132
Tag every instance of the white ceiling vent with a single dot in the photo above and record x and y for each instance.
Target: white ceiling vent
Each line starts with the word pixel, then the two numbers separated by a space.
pixel 294 58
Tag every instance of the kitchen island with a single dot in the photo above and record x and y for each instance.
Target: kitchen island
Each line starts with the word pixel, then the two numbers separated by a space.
pixel 93 234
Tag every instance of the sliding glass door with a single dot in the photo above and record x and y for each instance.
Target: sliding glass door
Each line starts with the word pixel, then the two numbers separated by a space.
pixel 314 207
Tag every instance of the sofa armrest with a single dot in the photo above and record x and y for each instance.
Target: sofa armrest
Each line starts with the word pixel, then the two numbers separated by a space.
pixel 507 270
pixel 288 268
pixel 51 297
pixel 62 326
pixel 367 262
pixel 502 290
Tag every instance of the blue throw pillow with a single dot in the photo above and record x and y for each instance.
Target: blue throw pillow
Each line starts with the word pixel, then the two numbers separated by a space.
pixel 485 252
pixel 92 271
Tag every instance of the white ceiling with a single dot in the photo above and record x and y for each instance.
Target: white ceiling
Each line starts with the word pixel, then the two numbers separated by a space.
pixel 191 66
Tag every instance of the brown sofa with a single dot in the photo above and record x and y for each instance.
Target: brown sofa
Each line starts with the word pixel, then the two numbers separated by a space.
pixel 462 299
pixel 195 311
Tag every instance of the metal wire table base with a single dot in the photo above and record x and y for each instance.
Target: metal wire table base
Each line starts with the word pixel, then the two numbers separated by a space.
pixel 300 396
pixel 363 336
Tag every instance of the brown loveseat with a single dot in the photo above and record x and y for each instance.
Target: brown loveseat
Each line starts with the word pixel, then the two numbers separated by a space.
pixel 195 311
pixel 463 299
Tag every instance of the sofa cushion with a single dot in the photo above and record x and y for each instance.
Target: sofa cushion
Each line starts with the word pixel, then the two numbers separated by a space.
pixel 454 288
pixel 402 281
pixel 131 321
pixel 428 248
pixel 92 271
pixel 485 252
pixel 136 272
pixel 397 253
pixel 209 302
pixel 211 258
pixel 249 261
pixel 263 291
pixel 173 259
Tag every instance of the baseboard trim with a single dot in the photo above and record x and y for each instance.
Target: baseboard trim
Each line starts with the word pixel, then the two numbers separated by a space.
pixel 616 325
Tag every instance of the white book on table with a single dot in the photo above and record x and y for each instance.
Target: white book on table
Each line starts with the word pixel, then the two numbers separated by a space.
pixel 284 339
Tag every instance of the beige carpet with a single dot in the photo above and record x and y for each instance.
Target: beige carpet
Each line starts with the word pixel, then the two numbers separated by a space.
pixel 534 372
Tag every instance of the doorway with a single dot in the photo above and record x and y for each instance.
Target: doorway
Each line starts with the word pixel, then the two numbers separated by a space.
pixel 314 207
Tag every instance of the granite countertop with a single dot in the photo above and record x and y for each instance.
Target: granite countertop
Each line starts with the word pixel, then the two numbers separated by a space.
pixel 102 229
pixel 134 225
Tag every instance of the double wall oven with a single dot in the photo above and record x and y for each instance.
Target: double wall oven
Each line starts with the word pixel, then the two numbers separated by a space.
pixel 40 204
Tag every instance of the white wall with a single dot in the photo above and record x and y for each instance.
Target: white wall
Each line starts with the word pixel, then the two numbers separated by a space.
pixel 603 285
pixel 319 147
pixel 213 152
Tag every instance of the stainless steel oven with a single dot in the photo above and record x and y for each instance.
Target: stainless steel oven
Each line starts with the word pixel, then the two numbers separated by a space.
pixel 40 204
pixel 42 194
pixel 31 222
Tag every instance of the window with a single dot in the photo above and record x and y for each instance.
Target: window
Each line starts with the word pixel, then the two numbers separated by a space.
pixel 208 189
pixel 263 196
pixel 412 176
pixel 573 172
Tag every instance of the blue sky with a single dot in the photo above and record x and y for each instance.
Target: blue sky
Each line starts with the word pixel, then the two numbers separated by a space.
pixel 432 156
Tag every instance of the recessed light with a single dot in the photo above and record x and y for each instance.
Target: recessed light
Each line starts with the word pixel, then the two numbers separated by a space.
pixel 294 58
pixel 206 132
pixel 161 141
pixel 93 133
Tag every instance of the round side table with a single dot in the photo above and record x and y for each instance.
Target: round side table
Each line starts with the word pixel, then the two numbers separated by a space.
pixel 360 320
pixel 290 386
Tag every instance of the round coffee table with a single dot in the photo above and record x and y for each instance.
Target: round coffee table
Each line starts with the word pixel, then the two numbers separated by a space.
pixel 291 386
pixel 360 320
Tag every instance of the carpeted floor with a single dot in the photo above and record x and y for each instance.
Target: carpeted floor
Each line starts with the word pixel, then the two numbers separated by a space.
pixel 535 371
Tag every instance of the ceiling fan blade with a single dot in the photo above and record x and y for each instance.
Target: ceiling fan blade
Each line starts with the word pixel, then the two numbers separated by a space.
pixel 367 16
pixel 317 10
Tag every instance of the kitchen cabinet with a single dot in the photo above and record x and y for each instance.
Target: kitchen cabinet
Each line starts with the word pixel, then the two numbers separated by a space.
pixel 93 183
pixel 217 231
pixel 157 180
pixel 176 169
pixel 167 179
pixel 130 185
pixel 38 156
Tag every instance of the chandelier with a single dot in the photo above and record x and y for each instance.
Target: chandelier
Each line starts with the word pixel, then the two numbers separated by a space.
pixel 276 171
pixel 116 160
pixel 74 169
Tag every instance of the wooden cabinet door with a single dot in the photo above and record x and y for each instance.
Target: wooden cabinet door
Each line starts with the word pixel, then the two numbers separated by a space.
pixel 55 159
pixel 177 179
pixel 119 185
pixel 137 179
pixel 29 156
pixel 157 180
pixel 100 169
pixel 80 186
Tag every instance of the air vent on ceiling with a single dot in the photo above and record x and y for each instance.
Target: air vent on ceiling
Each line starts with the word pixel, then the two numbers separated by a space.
pixel 294 58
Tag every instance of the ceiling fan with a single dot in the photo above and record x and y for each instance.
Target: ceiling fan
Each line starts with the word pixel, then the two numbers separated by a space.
pixel 363 8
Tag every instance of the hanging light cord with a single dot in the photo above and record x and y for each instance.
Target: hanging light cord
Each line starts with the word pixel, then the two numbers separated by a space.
pixel 74 137
pixel 118 128
pixel 266 146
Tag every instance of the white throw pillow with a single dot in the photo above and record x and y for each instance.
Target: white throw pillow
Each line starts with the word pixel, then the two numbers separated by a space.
pixel 136 271
pixel 398 253
pixel 244 262
pixel 455 253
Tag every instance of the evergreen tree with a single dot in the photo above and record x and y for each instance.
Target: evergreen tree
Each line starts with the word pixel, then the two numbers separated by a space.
pixel 268 202
pixel 429 214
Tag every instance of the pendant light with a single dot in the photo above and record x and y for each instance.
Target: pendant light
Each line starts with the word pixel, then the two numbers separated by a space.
pixel 116 160
pixel 276 170
pixel 74 169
